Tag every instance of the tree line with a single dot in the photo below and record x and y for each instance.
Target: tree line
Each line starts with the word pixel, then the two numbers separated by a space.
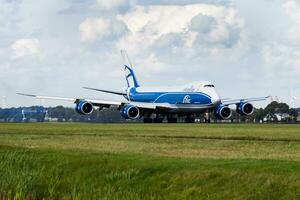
pixel 66 114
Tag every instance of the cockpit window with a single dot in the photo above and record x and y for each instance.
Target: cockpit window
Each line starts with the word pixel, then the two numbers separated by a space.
pixel 209 85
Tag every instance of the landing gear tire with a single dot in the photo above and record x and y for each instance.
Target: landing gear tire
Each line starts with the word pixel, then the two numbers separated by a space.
pixel 189 120
pixel 172 120
pixel 148 120
pixel 158 120
pixel 207 120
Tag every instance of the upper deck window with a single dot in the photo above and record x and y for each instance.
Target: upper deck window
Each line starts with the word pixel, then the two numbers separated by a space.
pixel 210 85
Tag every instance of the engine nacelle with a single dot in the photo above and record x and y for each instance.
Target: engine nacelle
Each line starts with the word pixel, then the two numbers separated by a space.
pixel 84 108
pixel 222 112
pixel 244 108
pixel 130 112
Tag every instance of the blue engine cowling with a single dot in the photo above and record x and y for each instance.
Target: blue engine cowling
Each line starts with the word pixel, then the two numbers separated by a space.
pixel 222 112
pixel 84 108
pixel 130 112
pixel 244 108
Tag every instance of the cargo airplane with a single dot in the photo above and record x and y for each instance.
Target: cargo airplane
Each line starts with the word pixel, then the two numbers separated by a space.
pixel 156 104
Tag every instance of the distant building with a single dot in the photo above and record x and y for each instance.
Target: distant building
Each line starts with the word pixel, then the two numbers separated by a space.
pixel 276 117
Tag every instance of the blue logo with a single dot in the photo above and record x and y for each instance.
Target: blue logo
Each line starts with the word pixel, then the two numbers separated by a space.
pixel 187 99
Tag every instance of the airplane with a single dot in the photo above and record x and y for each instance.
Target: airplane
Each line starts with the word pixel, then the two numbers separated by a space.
pixel 156 104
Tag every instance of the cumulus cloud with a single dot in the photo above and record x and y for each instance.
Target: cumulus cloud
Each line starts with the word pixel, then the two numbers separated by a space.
pixel 203 23
pixel 91 29
pixel 183 2
pixel 219 40
pixel 110 4
pixel 191 28
pixel 25 47
pixel 100 28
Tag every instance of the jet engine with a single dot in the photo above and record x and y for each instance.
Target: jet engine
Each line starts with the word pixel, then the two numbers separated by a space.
pixel 130 112
pixel 222 112
pixel 244 108
pixel 84 108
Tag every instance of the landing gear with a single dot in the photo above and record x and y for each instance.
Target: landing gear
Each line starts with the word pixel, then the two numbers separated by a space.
pixel 148 120
pixel 207 117
pixel 158 120
pixel 206 120
pixel 189 120
pixel 172 120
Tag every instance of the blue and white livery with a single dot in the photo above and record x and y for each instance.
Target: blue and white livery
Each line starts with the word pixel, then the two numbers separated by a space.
pixel 156 104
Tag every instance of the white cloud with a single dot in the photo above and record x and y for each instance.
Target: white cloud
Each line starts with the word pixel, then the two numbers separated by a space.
pixel 110 4
pixel 154 24
pixel 91 29
pixel 165 39
pixel 100 28
pixel 25 47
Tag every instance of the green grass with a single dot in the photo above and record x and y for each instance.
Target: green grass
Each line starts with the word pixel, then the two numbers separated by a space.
pixel 136 161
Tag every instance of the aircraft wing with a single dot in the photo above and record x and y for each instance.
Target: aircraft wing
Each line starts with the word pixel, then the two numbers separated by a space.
pixel 74 100
pixel 101 103
pixel 97 102
pixel 236 101
pixel 106 91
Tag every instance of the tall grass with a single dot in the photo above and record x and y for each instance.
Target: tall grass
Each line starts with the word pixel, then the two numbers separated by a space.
pixel 66 161
pixel 47 174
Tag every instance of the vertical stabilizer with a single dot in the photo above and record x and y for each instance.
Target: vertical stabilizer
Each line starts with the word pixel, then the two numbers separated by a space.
pixel 129 73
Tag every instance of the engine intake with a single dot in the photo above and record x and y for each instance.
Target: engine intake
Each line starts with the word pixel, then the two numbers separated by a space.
pixel 244 108
pixel 84 108
pixel 130 112
pixel 222 112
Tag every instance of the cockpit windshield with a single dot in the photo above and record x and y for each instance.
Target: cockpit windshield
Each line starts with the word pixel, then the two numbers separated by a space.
pixel 209 85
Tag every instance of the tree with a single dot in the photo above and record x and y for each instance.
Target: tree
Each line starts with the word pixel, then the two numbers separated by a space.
pixel 276 107
pixel 293 113
pixel 58 112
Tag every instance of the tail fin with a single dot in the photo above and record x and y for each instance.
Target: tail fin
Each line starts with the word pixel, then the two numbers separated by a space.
pixel 129 73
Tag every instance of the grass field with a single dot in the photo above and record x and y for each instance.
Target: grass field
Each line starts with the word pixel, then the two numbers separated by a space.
pixel 155 161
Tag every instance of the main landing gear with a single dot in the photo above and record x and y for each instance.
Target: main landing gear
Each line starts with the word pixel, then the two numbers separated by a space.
pixel 189 119
pixel 207 117
pixel 172 120
pixel 160 119
pixel 157 119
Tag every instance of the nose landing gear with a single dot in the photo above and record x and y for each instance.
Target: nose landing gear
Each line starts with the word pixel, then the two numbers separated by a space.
pixel 207 117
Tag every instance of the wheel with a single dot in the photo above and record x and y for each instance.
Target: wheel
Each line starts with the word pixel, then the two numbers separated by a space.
pixel 172 120
pixel 158 120
pixel 148 120
pixel 207 120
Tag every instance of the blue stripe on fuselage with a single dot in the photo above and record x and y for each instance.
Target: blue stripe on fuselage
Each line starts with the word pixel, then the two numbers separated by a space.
pixel 170 97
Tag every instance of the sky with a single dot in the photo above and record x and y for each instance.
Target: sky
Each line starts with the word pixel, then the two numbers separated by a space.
pixel 55 47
